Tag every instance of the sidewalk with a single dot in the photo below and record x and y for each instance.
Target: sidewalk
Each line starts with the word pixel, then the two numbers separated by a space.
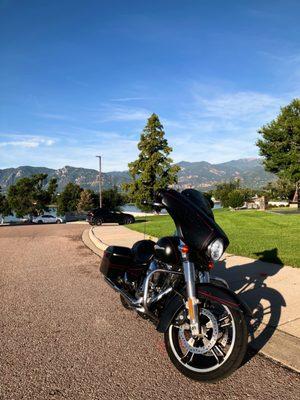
pixel 271 291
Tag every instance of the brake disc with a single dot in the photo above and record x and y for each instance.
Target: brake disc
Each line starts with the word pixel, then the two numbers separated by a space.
pixel 207 339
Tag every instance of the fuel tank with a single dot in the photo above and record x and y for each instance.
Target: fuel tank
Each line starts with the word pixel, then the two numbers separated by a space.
pixel 166 250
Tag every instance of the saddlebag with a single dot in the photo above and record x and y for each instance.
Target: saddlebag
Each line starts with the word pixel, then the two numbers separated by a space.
pixel 116 261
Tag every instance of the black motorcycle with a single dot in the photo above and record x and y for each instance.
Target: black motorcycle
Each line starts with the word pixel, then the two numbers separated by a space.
pixel 170 283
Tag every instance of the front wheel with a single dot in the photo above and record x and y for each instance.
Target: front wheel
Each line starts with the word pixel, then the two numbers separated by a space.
pixel 217 351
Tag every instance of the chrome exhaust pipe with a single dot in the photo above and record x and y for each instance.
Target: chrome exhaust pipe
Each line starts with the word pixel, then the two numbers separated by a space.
pixel 136 304
pixel 131 300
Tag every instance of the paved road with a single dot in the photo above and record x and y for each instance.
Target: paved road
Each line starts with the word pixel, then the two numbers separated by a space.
pixel 64 334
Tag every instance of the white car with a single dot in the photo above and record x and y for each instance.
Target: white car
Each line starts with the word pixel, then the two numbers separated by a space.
pixel 47 219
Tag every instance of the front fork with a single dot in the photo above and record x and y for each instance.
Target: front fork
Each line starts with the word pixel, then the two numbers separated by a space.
pixel 192 303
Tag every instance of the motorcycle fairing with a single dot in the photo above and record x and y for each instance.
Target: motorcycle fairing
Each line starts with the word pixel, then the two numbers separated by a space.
pixel 193 222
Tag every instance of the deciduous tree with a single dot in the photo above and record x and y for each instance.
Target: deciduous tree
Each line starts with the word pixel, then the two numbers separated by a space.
pixel 112 199
pixel 86 202
pixel 4 207
pixel 69 198
pixel 31 196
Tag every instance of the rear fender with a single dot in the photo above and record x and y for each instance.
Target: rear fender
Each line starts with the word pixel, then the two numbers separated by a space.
pixel 205 291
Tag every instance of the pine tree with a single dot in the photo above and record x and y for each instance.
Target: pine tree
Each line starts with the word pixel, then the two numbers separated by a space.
pixel 280 143
pixel 153 170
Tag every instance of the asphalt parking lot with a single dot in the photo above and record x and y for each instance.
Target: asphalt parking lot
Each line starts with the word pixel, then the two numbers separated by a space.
pixel 64 334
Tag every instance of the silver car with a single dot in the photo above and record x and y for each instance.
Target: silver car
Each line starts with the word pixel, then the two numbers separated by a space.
pixel 47 219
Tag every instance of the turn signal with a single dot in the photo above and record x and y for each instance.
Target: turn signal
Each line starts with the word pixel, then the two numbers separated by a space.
pixel 211 265
pixel 184 249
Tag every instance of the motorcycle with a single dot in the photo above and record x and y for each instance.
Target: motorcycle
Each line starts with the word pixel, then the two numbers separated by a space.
pixel 170 283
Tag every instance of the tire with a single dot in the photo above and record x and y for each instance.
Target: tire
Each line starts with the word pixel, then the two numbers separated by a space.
pixel 58 221
pixel 40 222
pixel 204 367
pixel 98 222
pixel 128 220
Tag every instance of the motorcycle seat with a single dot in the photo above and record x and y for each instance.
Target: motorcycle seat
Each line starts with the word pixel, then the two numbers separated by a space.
pixel 142 251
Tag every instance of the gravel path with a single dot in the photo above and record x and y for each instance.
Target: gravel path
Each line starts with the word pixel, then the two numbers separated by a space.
pixel 64 335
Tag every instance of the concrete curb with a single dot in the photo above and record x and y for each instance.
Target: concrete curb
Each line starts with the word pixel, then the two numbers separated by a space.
pixel 85 237
pixel 281 347
pixel 97 242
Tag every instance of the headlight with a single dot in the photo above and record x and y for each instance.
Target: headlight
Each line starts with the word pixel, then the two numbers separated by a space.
pixel 215 249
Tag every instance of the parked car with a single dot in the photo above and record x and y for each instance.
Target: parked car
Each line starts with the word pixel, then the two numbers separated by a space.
pixel 102 215
pixel 47 219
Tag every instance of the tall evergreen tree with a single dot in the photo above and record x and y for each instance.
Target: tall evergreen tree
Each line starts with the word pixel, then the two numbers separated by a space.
pixel 280 143
pixel 153 170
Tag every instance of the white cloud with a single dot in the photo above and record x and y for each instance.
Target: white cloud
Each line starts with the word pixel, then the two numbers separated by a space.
pixel 218 126
pixel 117 153
pixel 238 105
pixel 25 141
pixel 214 125
pixel 125 114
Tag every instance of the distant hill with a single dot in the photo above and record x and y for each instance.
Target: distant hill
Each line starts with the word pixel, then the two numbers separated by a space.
pixel 201 175
pixel 205 176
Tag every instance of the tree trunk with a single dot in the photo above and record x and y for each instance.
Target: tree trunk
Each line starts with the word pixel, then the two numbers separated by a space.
pixel 296 198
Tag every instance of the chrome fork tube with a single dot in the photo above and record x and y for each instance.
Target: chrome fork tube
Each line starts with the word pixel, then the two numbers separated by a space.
pixel 192 303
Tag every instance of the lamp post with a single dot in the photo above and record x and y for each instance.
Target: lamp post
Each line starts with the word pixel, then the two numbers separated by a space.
pixel 100 183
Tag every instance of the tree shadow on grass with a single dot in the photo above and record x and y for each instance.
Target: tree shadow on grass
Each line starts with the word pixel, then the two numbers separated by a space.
pixel 249 282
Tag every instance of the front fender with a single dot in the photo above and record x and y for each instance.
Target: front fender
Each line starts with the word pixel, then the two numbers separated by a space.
pixel 205 291
pixel 222 295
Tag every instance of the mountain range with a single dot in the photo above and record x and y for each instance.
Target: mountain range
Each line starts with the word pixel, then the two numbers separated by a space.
pixel 201 175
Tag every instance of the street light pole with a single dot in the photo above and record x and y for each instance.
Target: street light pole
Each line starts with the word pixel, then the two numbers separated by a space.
pixel 100 183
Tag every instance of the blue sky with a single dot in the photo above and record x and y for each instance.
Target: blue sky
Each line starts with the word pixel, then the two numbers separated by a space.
pixel 80 78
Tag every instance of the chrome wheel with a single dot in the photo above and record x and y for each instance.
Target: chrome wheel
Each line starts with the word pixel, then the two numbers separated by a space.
pixel 213 349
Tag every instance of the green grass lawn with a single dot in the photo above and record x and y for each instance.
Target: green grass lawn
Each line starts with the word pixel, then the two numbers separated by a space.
pixel 276 236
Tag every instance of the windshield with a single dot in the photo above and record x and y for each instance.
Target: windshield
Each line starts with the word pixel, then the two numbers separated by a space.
pixel 193 218
pixel 199 201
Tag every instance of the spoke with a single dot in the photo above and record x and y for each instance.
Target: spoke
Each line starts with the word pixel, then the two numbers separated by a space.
pixel 188 357
pixel 223 318
pixel 226 324
pixel 215 355
pixel 220 351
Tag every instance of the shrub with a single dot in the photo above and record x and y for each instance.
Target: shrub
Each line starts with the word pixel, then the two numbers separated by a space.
pixel 236 199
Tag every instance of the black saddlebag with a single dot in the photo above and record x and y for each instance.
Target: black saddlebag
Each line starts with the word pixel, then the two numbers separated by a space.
pixel 116 261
